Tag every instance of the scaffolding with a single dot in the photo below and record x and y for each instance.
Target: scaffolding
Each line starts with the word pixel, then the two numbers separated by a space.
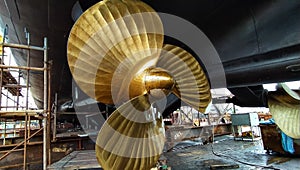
pixel 16 113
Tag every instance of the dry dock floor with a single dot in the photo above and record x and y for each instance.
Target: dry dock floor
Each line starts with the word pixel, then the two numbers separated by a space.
pixel 227 153
pixel 224 153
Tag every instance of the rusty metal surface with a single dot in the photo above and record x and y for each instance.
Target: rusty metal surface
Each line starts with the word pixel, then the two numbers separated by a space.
pixel 177 134
pixel 15 159
pixel 59 149
pixel 272 139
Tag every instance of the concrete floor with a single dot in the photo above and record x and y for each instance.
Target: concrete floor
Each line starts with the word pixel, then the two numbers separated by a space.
pixel 229 153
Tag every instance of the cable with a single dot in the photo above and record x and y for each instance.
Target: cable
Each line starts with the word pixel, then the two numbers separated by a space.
pixel 242 162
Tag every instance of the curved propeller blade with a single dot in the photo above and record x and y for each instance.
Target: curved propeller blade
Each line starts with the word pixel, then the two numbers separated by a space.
pixel 132 137
pixel 284 106
pixel 192 85
pixel 111 42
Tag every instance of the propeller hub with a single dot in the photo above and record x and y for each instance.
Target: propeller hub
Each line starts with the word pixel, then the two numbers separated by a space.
pixel 158 82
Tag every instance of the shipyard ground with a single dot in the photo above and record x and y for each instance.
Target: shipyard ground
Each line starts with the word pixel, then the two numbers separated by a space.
pixel 227 153
pixel 224 153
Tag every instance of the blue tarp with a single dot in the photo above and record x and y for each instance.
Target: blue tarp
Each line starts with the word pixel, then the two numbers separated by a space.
pixel 267 122
pixel 287 143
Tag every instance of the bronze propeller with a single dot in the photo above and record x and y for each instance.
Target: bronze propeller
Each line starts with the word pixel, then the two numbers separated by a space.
pixel 116 56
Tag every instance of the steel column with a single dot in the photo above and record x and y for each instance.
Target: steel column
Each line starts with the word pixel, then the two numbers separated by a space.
pixel 45 104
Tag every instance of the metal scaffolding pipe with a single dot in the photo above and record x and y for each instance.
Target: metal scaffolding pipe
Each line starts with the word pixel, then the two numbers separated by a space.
pixel 22 111
pixel 14 86
pixel 1 63
pixel 26 133
pixel 54 117
pixel 25 142
pixel 45 104
pixel 49 114
pixel 18 92
pixel 22 67
pixel 4 138
pixel 26 47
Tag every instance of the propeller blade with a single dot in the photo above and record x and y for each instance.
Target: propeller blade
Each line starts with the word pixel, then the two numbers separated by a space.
pixel 284 105
pixel 109 43
pixel 132 137
pixel 192 85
